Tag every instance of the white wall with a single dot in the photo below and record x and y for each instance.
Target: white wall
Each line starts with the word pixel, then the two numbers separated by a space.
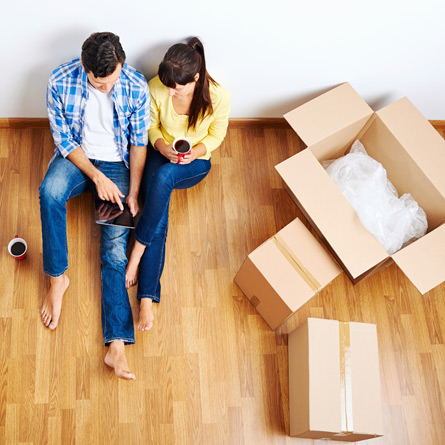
pixel 271 55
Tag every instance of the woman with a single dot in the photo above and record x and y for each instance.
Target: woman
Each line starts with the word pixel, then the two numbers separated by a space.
pixel 185 102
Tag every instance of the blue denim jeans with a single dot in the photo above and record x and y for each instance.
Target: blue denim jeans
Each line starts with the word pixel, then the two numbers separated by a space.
pixel 159 180
pixel 63 181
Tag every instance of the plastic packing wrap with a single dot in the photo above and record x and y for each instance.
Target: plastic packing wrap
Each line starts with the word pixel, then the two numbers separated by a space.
pixel 363 181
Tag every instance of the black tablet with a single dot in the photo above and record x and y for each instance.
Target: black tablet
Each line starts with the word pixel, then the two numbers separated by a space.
pixel 110 214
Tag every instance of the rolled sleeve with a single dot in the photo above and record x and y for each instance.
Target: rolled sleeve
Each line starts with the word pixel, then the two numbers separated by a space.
pixel 63 137
pixel 139 120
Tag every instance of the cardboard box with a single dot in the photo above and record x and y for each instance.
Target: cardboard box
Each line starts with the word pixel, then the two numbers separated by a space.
pixel 286 271
pixel 412 152
pixel 334 381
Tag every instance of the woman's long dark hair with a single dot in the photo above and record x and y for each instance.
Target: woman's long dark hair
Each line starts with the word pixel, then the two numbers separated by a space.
pixel 180 65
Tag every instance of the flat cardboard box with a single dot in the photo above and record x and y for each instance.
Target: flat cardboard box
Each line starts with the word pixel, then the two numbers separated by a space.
pixel 334 381
pixel 412 152
pixel 285 272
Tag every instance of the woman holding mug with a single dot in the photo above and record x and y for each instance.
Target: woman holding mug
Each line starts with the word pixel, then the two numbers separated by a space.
pixel 185 103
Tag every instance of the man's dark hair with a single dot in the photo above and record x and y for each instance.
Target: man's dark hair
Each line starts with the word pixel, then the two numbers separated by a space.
pixel 101 53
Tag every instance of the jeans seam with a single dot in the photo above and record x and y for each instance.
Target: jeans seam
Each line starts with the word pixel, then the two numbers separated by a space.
pixel 74 188
pixel 158 276
pixel 192 177
pixel 104 312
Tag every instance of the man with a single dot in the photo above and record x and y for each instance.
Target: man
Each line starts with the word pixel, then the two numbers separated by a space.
pixel 98 106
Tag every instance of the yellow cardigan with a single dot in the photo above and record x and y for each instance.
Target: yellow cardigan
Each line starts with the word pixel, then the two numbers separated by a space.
pixel 168 125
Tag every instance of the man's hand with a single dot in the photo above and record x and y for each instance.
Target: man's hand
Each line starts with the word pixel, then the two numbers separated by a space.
pixel 107 190
pixel 133 205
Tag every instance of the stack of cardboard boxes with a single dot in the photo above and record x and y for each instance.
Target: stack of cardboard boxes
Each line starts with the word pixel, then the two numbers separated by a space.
pixel 288 269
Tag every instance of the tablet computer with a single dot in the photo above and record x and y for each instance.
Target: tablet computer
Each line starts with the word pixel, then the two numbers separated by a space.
pixel 109 214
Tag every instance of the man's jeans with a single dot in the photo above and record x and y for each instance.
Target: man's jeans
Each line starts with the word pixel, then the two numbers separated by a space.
pixel 63 181
pixel 160 178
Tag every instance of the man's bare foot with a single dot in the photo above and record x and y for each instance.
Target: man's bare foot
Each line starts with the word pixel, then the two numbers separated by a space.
pixel 52 304
pixel 146 316
pixel 131 275
pixel 117 360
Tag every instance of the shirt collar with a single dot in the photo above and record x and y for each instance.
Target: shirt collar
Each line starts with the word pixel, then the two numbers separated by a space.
pixel 84 82
pixel 118 85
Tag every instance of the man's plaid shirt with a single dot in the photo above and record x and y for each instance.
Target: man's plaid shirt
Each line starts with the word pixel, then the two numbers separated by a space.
pixel 67 95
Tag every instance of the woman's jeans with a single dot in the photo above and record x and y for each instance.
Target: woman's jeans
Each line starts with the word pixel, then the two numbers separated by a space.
pixel 160 178
pixel 63 181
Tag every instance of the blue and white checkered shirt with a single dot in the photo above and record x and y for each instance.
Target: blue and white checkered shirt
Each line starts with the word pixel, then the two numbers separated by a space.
pixel 66 100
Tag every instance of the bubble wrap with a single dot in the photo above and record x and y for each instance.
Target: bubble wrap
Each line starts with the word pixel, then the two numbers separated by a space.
pixel 392 220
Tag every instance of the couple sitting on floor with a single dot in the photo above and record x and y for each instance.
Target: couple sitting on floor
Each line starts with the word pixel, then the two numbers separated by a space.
pixel 103 114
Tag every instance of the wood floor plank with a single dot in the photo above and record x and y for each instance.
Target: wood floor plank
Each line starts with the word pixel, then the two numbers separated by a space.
pixel 12 424
pixel 3 392
pixel 69 426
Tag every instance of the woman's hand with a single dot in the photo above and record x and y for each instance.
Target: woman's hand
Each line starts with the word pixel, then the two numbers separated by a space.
pixel 168 152
pixel 189 157
pixel 197 151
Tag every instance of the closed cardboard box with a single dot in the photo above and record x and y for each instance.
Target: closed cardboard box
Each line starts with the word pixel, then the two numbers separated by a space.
pixel 285 272
pixel 334 381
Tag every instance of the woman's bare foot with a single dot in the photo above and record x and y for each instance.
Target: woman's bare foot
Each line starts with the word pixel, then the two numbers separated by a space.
pixel 131 274
pixel 117 360
pixel 146 316
pixel 52 304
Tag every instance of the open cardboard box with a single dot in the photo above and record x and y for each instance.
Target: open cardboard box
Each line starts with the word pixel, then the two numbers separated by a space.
pixel 413 154
pixel 285 272
pixel 334 381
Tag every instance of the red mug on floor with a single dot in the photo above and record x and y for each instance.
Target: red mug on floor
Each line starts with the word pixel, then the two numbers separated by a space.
pixel 182 146
pixel 17 247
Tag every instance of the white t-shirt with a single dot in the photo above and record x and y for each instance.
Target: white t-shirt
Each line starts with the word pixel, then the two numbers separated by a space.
pixel 99 141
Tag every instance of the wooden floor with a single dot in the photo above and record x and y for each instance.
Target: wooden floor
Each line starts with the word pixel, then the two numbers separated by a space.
pixel 210 371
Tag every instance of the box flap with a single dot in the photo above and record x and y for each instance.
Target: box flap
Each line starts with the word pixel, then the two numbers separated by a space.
pixel 314 260
pixel 338 143
pixel 323 202
pixel 328 113
pixel 403 171
pixel 423 261
pixel 418 137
